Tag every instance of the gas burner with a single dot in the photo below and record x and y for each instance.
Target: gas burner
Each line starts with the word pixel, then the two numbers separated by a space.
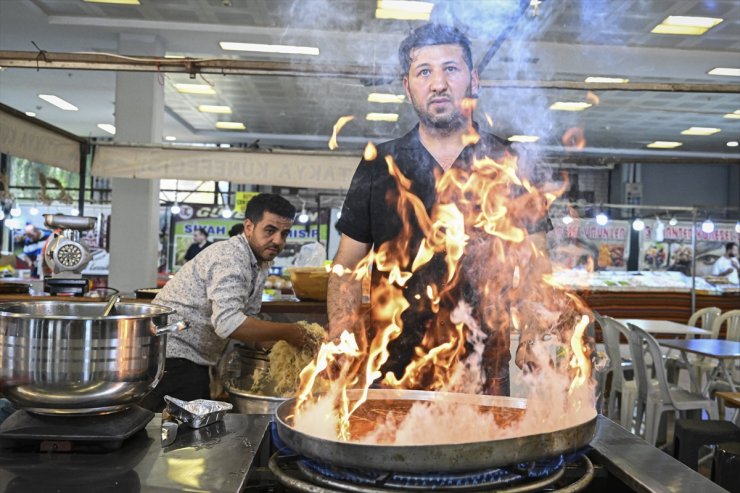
pixel 305 475
pixel 24 430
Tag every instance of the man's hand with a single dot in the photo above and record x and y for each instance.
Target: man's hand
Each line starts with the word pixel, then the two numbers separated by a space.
pixel 301 337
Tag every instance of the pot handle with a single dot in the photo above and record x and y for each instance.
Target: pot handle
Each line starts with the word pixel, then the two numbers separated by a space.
pixel 176 327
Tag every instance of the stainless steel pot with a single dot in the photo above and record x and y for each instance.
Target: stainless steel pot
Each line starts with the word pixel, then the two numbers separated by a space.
pixel 244 365
pixel 59 357
pixel 450 457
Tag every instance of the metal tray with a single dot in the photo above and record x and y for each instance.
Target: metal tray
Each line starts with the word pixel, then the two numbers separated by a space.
pixel 425 458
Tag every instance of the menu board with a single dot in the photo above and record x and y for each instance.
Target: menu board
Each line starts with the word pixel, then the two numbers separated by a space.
pixel 668 248
pixel 583 244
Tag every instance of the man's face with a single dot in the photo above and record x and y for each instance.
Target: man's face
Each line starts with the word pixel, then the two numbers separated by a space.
pixel 267 237
pixel 732 252
pixel 437 82
pixel 31 232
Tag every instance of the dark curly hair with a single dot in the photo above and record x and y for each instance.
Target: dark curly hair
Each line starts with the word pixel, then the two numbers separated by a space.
pixel 268 202
pixel 433 34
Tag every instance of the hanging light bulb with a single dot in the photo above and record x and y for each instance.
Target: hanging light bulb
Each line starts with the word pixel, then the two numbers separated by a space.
pixel 74 211
pixel 226 213
pixel 673 221
pixel 303 216
pixel 602 219
pixel 638 224
pixel 175 209
pixel 707 226
pixel 15 211
pixel 33 211
pixel 567 219
pixel 737 227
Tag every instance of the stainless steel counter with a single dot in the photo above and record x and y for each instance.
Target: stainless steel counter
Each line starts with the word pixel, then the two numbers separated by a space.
pixel 642 467
pixel 216 458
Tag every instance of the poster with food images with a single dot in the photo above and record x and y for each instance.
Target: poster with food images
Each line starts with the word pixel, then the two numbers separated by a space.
pixel 584 244
pixel 666 247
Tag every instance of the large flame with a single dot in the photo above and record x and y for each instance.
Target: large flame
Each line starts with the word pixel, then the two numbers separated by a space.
pixel 480 222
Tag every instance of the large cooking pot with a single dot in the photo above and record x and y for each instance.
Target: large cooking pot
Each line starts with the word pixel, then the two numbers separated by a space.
pixel 59 357
pixel 244 365
pixel 449 457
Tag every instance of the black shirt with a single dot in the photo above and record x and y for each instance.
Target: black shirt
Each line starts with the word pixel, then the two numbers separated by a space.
pixel 370 215
pixel 194 249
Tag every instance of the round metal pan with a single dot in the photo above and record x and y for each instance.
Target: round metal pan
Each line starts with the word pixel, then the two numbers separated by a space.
pixel 434 458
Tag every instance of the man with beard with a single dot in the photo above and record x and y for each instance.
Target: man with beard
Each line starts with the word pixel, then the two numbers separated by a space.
pixel 727 265
pixel 438 77
pixel 219 293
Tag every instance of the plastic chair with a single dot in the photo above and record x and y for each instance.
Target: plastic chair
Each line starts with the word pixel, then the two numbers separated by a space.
pixel 705 366
pixel 662 397
pixel 674 362
pixel 622 390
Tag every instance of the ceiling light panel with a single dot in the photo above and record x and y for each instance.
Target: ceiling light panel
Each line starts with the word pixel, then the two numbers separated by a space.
pixel 735 114
pixel 523 138
pixel 403 10
pixel 686 26
pixel 701 131
pixel 212 108
pixel 107 127
pixel 664 144
pixel 117 2
pixel 377 97
pixel 726 71
pixel 606 80
pixel 382 117
pixel 267 48
pixel 570 106
pixel 230 126
pixel 195 89
pixel 58 102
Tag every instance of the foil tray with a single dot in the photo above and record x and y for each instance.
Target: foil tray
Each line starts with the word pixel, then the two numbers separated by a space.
pixel 198 413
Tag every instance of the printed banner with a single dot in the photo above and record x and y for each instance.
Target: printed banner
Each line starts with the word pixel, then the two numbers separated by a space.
pixel 666 247
pixel 583 244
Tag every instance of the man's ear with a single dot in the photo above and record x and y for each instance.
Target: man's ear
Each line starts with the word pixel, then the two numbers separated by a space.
pixel 248 226
pixel 474 83
pixel 406 87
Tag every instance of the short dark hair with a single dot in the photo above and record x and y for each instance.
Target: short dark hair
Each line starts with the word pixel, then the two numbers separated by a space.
pixel 268 202
pixel 729 246
pixel 236 229
pixel 202 231
pixel 433 34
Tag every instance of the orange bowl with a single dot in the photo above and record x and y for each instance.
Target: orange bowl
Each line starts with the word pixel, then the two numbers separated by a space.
pixel 309 283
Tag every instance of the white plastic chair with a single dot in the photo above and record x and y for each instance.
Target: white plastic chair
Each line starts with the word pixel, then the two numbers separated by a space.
pixel 622 390
pixel 674 362
pixel 661 397
pixel 702 367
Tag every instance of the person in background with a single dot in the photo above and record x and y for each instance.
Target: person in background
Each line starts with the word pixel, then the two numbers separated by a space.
pixel 727 265
pixel 34 240
pixel 200 243
pixel 236 229
pixel 219 293
pixel 438 76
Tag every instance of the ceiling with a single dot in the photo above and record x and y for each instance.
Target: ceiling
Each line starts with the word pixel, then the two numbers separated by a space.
pixel 565 42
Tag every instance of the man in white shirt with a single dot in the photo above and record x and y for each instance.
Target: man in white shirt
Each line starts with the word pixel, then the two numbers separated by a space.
pixel 727 265
pixel 219 293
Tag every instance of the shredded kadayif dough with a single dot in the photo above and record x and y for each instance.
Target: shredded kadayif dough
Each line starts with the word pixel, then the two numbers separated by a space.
pixel 286 362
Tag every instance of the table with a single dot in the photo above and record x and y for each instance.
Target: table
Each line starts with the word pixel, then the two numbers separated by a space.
pixel 719 349
pixel 660 327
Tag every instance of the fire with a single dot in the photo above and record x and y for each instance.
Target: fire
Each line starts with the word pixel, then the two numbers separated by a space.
pixel 592 98
pixel 574 139
pixel 370 152
pixel 480 223
pixel 343 120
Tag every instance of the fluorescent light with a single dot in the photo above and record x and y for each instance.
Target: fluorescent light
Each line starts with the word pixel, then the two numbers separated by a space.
pixel 58 102
pixel 170 138
pixel 602 219
pixel 404 10
pixel 378 97
pixel 570 106
pixel 638 224
pixel 107 127
pixel 687 26
pixel 606 80
pixel 230 125
pixel 195 89
pixel 730 72
pixel 175 209
pixel 733 143
pixel 16 211
pixel 265 48
pixel 707 226
pixel 32 114
pixel 673 221
pixel 213 108
pixel 664 144
pixel 118 2
pixel 382 117
pixel 701 131
pixel 175 57
pixel 524 138
pixel 735 114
